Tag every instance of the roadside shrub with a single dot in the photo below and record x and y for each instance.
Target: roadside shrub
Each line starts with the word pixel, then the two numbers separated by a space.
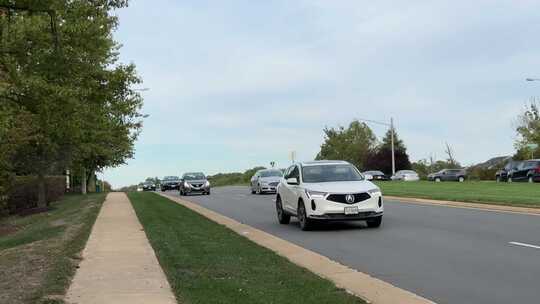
pixel 481 174
pixel 24 192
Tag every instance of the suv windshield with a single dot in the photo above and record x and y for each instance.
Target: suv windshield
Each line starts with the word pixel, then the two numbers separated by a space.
pixel 170 178
pixel 270 173
pixel 330 173
pixel 193 176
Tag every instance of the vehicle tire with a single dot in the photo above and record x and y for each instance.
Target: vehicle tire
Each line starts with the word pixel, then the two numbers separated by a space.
pixel 252 190
pixel 530 179
pixel 208 193
pixel 437 179
pixel 305 222
pixel 375 222
pixel 461 179
pixel 283 218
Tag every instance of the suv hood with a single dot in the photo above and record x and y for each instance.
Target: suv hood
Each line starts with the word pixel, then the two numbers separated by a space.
pixel 270 179
pixel 198 181
pixel 342 187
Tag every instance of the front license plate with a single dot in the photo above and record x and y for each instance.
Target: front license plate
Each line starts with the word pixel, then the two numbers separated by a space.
pixel 351 210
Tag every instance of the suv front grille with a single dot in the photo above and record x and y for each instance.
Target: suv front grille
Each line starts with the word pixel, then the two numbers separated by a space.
pixel 197 185
pixel 273 184
pixel 340 198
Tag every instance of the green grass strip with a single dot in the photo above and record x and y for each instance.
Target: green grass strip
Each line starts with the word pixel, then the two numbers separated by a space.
pixel 56 237
pixel 208 263
pixel 509 194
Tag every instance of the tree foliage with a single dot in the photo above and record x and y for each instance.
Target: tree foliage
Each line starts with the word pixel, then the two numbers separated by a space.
pixel 528 130
pixel 60 75
pixel 381 157
pixel 352 144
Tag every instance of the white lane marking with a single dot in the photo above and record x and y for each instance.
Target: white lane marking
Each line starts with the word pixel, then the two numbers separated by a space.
pixel 524 245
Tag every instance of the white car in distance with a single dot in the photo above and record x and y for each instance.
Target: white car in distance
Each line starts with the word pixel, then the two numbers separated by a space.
pixel 327 191
pixel 406 176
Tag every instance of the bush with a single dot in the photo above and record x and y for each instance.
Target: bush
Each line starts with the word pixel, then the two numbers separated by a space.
pixel 482 173
pixel 23 194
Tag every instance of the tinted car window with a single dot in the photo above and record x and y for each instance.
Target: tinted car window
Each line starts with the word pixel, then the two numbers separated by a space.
pixel 269 173
pixel 193 176
pixel 288 172
pixel 330 173
pixel 295 173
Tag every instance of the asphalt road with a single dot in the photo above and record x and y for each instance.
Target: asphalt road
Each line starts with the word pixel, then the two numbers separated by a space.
pixel 448 255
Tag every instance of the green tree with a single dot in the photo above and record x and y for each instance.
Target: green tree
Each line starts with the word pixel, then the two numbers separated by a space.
pixel 59 65
pixel 528 141
pixel 352 144
pixel 381 157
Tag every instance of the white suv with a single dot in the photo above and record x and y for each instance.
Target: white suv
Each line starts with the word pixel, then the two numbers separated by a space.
pixel 327 191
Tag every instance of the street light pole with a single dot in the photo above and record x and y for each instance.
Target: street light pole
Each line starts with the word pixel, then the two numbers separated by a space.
pixel 392 139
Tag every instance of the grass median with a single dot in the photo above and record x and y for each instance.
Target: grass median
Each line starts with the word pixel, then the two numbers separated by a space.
pixel 509 194
pixel 39 253
pixel 208 263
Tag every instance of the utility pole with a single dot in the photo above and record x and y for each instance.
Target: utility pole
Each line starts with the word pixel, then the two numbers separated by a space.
pixel 392 139
pixel 391 125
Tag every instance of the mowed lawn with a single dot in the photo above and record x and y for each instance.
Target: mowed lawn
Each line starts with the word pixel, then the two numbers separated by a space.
pixel 39 253
pixel 512 194
pixel 208 263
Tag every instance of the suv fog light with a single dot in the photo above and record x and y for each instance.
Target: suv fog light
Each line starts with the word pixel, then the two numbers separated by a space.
pixel 313 206
pixel 380 201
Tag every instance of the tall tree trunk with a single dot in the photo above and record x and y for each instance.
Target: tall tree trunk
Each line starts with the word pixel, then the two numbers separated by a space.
pixel 42 191
pixel 83 181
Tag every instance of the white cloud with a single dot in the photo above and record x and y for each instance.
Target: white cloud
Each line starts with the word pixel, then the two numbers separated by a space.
pixel 238 84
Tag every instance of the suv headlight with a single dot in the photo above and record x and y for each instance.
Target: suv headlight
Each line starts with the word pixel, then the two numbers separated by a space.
pixel 186 185
pixel 207 184
pixel 315 194
pixel 375 192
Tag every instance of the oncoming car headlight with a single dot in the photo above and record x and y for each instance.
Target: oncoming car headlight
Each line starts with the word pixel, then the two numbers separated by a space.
pixel 207 184
pixel 186 185
pixel 375 192
pixel 315 194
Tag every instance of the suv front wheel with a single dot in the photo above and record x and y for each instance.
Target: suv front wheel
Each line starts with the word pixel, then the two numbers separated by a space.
pixel 283 218
pixel 305 222
pixel 375 222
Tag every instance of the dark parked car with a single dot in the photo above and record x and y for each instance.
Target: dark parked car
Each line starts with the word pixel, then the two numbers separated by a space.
pixel 527 171
pixel 502 175
pixel 377 175
pixel 170 183
pixel 149 186
pixel 194 182
pixel 457 175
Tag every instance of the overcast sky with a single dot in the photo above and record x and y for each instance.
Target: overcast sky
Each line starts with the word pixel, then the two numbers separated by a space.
pixel 236 84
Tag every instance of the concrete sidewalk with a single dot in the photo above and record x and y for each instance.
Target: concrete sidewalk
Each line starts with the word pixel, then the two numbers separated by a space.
pixel 119 265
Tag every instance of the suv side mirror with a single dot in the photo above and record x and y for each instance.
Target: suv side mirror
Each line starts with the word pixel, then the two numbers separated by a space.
pixel 292 181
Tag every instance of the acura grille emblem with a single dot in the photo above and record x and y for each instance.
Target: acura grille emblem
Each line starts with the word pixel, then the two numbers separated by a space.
pixel 349 198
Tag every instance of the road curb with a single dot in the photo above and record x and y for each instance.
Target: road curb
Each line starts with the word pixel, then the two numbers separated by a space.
pixel 360 284
pixel 465 205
